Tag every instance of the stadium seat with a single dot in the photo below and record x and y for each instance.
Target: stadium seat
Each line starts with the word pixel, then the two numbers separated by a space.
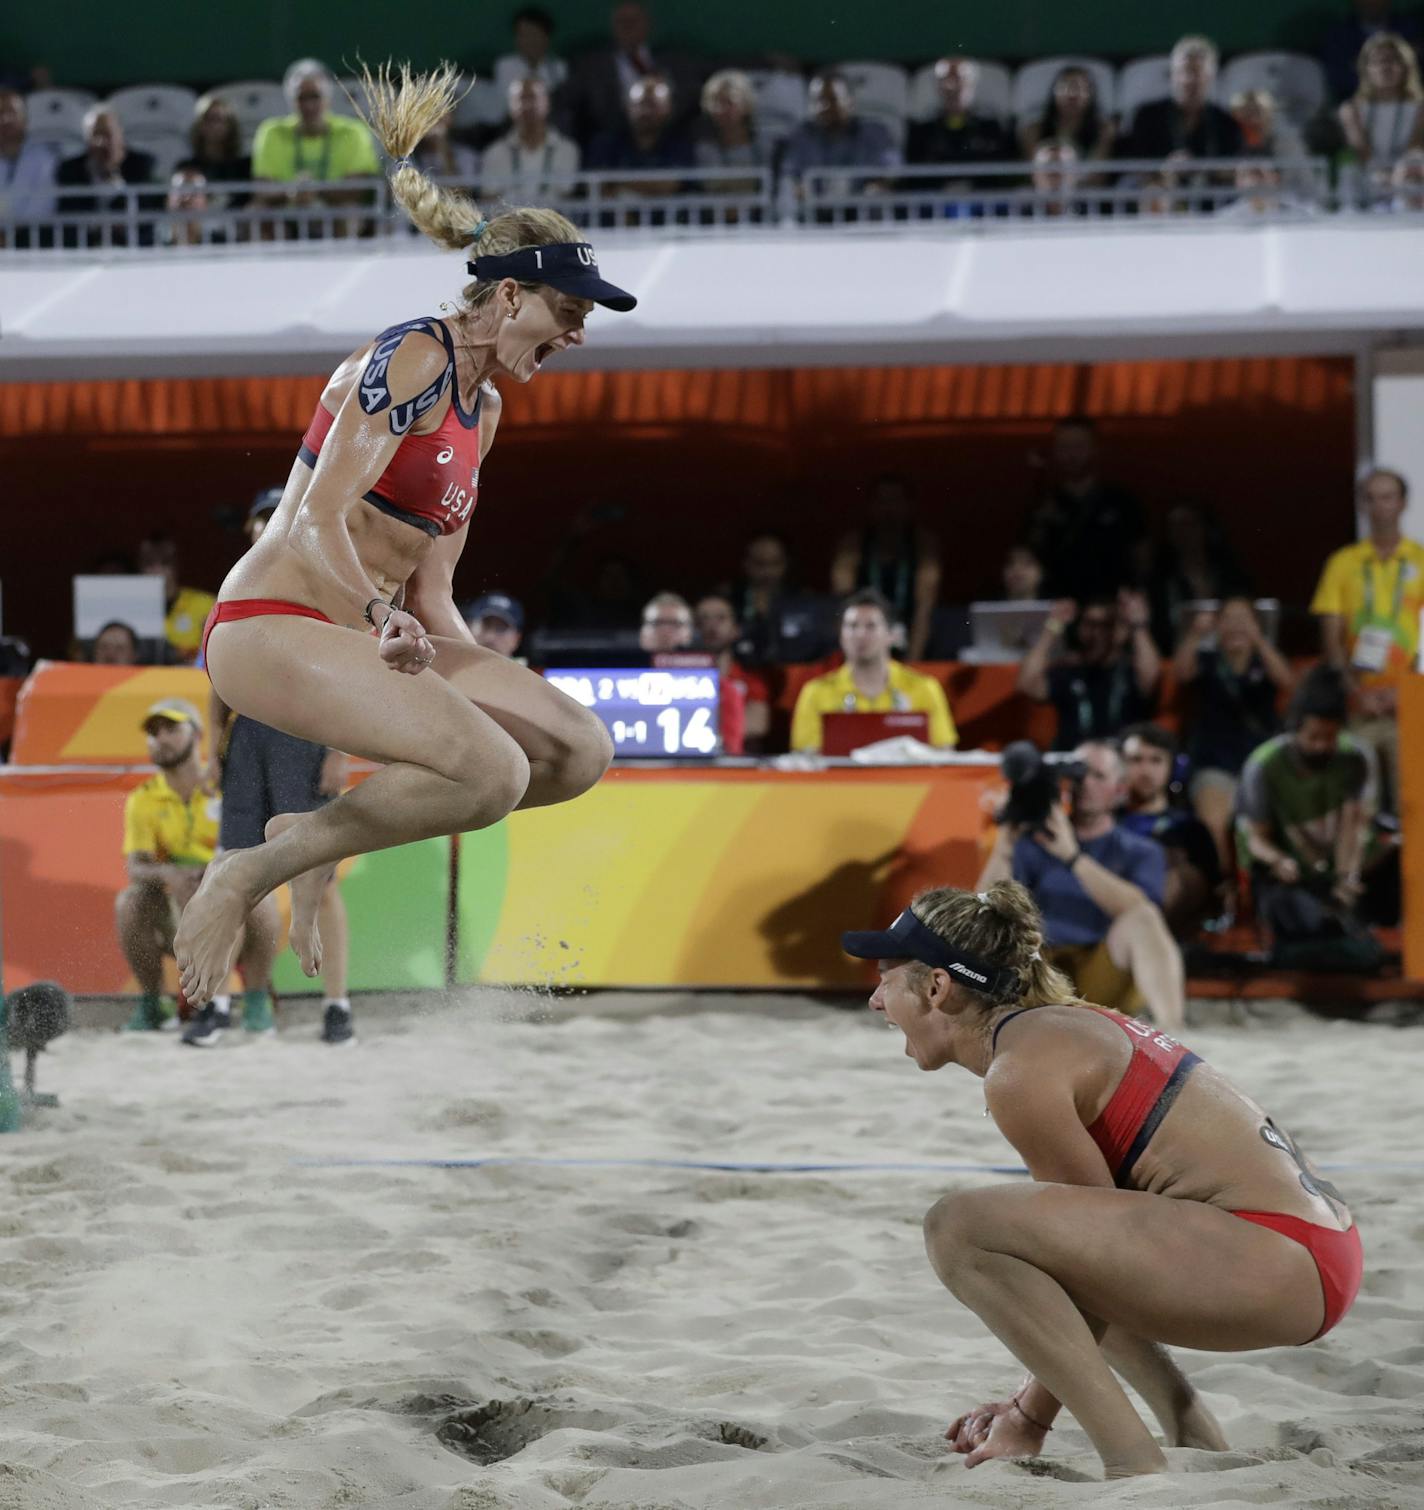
pixel 153 107
pixel 57 115
pixel 992 97
pixel 1139 81
pixel 882 93
pixel 1034 82
pixel 781 102
pixel 252 101
pixel 1296 81
pixel 166 148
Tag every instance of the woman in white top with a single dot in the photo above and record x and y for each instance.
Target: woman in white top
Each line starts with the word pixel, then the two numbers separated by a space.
pixel 726 135
pixel 1384 118
pixel 533 161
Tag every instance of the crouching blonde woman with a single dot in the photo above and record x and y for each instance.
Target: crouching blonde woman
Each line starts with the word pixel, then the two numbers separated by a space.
pixel 1166 1207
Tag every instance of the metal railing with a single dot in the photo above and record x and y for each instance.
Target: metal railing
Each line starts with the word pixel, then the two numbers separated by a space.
pixel 967 197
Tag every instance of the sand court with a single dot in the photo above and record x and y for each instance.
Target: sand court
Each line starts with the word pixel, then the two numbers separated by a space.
pixel 194 1315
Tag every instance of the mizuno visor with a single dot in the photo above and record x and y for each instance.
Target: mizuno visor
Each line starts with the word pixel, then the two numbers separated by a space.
pixel 908 938
pixel 569 266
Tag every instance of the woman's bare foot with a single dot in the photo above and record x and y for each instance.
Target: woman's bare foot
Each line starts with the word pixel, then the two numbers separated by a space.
pixel 210 930
pixel 307 890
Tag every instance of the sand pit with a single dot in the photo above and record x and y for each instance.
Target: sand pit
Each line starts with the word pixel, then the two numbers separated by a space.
pixel 191 1319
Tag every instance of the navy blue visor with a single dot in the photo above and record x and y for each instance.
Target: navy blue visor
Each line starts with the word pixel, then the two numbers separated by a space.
pixel 569 266
pixel 908 938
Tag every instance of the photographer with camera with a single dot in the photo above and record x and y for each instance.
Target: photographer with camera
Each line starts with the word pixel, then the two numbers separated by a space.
pixel 1099 887
pixel 1303 829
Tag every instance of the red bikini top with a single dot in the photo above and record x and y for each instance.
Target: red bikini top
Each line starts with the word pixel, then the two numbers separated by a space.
pixel 433 481
pixel 1154 1076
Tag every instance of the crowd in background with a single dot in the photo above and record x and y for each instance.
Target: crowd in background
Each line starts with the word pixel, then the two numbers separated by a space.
pixel 635 105
pixel 1210 772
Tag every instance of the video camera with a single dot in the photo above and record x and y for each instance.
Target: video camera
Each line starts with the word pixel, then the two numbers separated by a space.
pixel 1034 784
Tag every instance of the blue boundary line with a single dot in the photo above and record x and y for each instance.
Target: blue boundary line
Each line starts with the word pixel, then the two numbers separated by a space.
pixel 736 1166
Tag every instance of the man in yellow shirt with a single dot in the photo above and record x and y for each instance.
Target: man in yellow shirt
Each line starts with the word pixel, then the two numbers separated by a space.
pixel 311 145
pixel 1369 599
pixel 870 681
pixel 170 834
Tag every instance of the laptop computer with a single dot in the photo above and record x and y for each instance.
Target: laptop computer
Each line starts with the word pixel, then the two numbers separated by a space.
pixel 1005 631
pixel 843 732
pixel 133 600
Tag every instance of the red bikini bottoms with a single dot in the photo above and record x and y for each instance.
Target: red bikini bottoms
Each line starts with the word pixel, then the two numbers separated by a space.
pixel 1339 1258
pixel 255 608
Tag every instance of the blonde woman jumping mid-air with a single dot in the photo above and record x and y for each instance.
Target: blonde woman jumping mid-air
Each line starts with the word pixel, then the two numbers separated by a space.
pixel 338 626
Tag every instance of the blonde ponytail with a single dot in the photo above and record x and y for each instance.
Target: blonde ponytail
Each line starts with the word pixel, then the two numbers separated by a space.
pixel 1003 927
pixel 401 109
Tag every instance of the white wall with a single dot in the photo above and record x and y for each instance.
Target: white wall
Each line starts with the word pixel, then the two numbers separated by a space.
pixel 1072 292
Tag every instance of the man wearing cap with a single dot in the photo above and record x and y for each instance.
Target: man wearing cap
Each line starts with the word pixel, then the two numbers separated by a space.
pixel 497 622
pixel 170 832
pixel 262 772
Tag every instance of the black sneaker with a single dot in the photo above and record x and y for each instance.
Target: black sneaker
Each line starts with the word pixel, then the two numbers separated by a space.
pixel 336 1025
pixel 207 1027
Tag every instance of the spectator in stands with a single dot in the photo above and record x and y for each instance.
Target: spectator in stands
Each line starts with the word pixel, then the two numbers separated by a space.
pixel 1192 891
pixel 727 136
pixel 719 633
pixel 647 141
pixel 107 165
pixel 779 623
pixel 1106 677
pixel 666 624
pixel 1090 534
pixel 215 147
pixel 187 607
pixel 834 136
pixel 116 644
pixel 1265 132
pixel 1100 891
pixel 170 834
pixel 1193 563
pixel 1348 36
pixel 1385 115
pixel 188 197
pixel 1052 188
pixel 594 102
pixel 497 622
pixel 1236 678
pixel 1369 600
pixel 958 133
pixel 442 157
pixel 1186 124
pixel 1022 576
pixel 27 171
pixel 1260 191
pixel 1302 826
pixel 531 58
pixel 312 146
pixel 1407 181
pixel 896 556
pixel 870 681
pixel 531 162
pixel 1072 116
